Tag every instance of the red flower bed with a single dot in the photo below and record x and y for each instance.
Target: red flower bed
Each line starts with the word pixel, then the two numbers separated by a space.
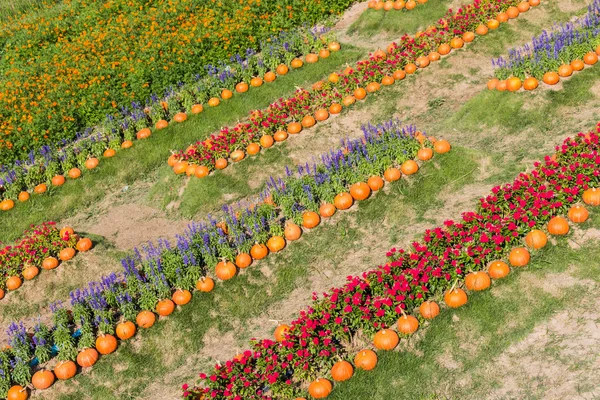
pixel 344 87
pixel 441 261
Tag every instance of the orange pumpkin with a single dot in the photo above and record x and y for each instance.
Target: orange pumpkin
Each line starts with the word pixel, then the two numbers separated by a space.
pixel 375 183
pixel 519 257
pixel 498 269
pixel 577 65
pixel 493 24
pixel 280 136
pixel 387 80
pixel 530 83
pixel 65 370
pixel 441 146
pixel 221 163
pixel 50 263
pixel 481 30
pixel 17 392
pixel 323 53
pixel 275 244
pixel 214 102
pixel 58 180
pixel 477 281
pixel 512 12
pixel 41 188
pixel 578 214
pixel 455 298
pixel 344 200
pixel 84 245
pixel 145 319
pixel 409 167
pixel 42 379
pixel 181 297
pixel 1 294
pixel 373 87
pixel 551 78
pixel 297 63
pixel 342 371
pixel 457 43
pixel 501 86
pixel 523 6
pixel 256 81
pixel 280 332
pixel 592 197
pixel 320 115
pixel 292 231
pixel 205 284
pixel 126 144
pixel 399 75
pixel 590 58
pixel 565 70
pixel 310 219
pixel 13 283
pixel 558 226
pixel 422 62
pixel 105 344
pixel 386 339
pixel 327 210
pixel 180 167
pixel 143 134
pixel 392 174
pixel 163 308
pixel 66 254
pixel 513 84
pixel 334 46
pixel 270 77
pixel 87 358
pixel 425 153
pixel 253 148
pixel 225 270
pixel 536 239
pixel 259 251
pixel 320 388
pixel 335 108
pixel 429 309
pixel 410 68
pixel 444 49
pixel 125 330
pixel 360 93
pixel 311 58
pixel 237 155
pixel 365 360
pixel 23 197
pixel 182 117
pixel 197 108
pixel 282 69
pixel 468 37
pixel 30 272
pixel 162 124
pixel 266 141
pixel 294 128
pixel 243 260
pixel 359 191
pixel 407 324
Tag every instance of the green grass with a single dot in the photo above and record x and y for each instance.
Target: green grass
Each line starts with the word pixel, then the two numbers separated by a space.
pixel 147 159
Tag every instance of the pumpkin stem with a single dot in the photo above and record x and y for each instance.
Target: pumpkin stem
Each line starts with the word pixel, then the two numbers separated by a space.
pixel 403 313
pixel 454 285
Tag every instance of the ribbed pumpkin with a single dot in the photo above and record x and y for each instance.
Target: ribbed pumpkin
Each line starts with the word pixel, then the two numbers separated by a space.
pixel 41 188
pixel 407 324
pixel 308 121
pixel 280 332
pixel 282 69
pixel 513 84
pixel 335 108
pixel 180 167
pixel 477 281
pixel 321 114
pixel 343 201
pixel 87 358
pixel 455 298
pixel 590 58
pixel 270 77
pixel 551 78
pixel 292 231
pixel 498 269
pixel 58 180
pixel 441 146
pixel 266 141
pixel 197 108
pixel 410 68
pixel 297 63
pixel 578 214
pixel 145 319
pixel 375 183
pixel 530 83
pixel 429 309
pixel 275 244
pixel 225 270
pixel 126 144
pixel 592 197
pixel 512 12
pixel 143 133
pixel 523 6
pixel 359 191
pixel 280 136
pixel 360 93
pixel 519 257
pixel 13 283
pixel 342 371
pixel 365 360
pixel 30 272
pixel 237 155
pixel 399 75
pixel 386 339
pixel 392 174
pixel 457 43
pixel 294 128
pixel 106 344
pixel 65 370
pixel 23 197
pixel 50 263
pixel 558 226
pixel 425 154
pixel 241 87
pixel 409 167
pixel 205 284
pixel 181 297
pixel 84 245
pixel 310 219
pixel 243 260
pixel 565 70
pixel 327 210
pixel 253 148
pixel 320 388
pixel 468 37
pixel 125 330
pixel 577 65
pixel 256 81
pixel 164 308
pixel 17 392
pixel 481 30
pixel 536 239
pixel 444 49
pixel 259 251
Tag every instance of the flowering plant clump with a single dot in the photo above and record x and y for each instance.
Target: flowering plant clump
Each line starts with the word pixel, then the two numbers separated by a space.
pixel 156 272
pixel 378 298
pixel 342 85
pixel 551 49
pixel 37 244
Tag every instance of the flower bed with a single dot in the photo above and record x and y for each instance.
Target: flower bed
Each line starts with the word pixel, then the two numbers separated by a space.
pixel 158 277
pixel 89 74
pixel 508 223
pixel 553 55
pixel 50 166
pixel 42 247
pixel 389 5
pixel 305 108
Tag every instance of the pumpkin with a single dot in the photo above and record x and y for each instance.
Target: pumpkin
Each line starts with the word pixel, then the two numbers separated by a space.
pixel 323 53
pixel 359 191
pixel 197 108
pixel 50 263
pixel 577 65
pixel 292 231
pixel 320 115
pixel 310 219
pixel 225 270
pixel 342 371
pixel 429 309
pixel 125 330
pixel 434 56
pixel 424 154
pixel 344 200
pixel 297 63
pixel 441 146
pixel 335 108
pixel 13 283
pixel 373 87
pixel 256 81
pixel 380 55
pixel 164 307
pixel 334 46
pixel 399 5
pixel 311 58
pixel 282 69
pixel 399 74
pixel 493 24
pixel 407 324
pixel 275 244
pixel 410 4
pixel 534 3
pixel 74 173
pixel 320 388
pixel 327 210
pixel 17 393
pixel 280 136
pixel 23 197
pixel 477 281
pixel 143 133
pixel 501 86
pixel 1 294
pixel 565 70
pixel 530 83
pixel 84 245
pixel 388 5
pixel 67 369
pixel 513 84
pixel 558 226
pixel 409 167
pixel 444 49
pixel 422 62
pixel 410 68
pixel 237 155
pixel 578 214
pixel 392 174
pixel 280 332
pixel 7 204
pixel 375 183
pixel 105 344
pixel 252 149
pixel 455 298
pixel 590 58
pixel 180 167
pixel 67 254
pixel 519 257
pixel 126 144
pixel 201 171
pixel 498 269
pixel 512 12
pixel 30 272
pixel 67 230
pixel 551 78
pixel 145 319
pixel 161 124
pixel 523 6
pixel 481 30
pixel 386 339
pixel 457 43
pixel 468 37
pixel 243 260
pixel 365 360
pixel 190 170
pixel 221 163
pixel 58 180
pixel 592 197
pixel 360 93
pixel 294 128
pixel 536 239
pixel 181 297
pixel 387 80
pixel 214 102
pixel 270 77
pixel 205 284
pixel 87 358
pixel 41 188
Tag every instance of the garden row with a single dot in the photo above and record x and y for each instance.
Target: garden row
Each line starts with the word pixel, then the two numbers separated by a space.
pixel 157 278
pixel 50 166
pixel 568 48
pixel 306 108
pixel 388 5
pixel 76 75
pixel 42 247
pixel 510 223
